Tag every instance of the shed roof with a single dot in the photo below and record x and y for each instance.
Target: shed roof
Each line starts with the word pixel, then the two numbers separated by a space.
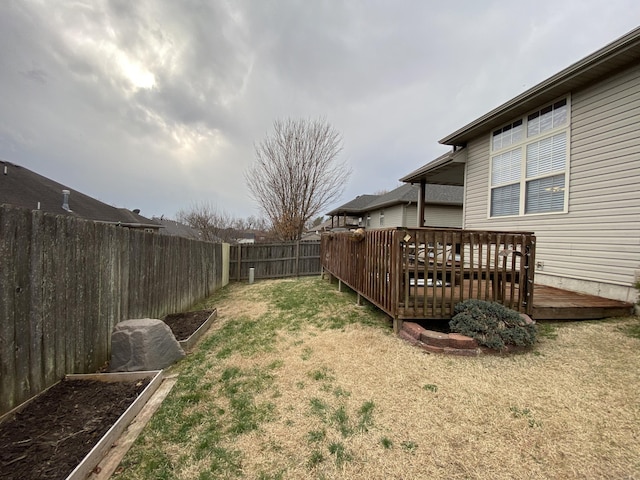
pixel 447 169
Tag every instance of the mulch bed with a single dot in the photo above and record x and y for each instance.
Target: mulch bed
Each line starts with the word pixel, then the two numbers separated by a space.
pixel 54 432
pixel 184 324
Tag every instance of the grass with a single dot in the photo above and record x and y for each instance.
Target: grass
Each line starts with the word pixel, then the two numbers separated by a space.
pixel 296 381
pixel 630 328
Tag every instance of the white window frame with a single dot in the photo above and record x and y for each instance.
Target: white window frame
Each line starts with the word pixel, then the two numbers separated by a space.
pixel 519 147
pixel 381 218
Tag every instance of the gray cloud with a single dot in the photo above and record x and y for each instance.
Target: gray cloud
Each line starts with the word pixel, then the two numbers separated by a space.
pixel 157 104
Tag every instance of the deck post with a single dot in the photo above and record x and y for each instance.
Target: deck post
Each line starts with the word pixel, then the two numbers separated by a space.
pixel 359 300
pixel 397 325
pixel 339 285
pixel 421 197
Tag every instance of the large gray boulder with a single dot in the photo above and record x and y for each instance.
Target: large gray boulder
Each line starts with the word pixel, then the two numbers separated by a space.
pixel 143 344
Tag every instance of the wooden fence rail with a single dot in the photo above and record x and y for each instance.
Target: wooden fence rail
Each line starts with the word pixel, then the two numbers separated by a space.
pixel 65 283
pixel 421 273
pixel 274 260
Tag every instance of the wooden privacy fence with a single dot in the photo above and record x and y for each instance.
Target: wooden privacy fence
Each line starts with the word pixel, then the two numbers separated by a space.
pixel 422 273
pixel 274 260
pixel 65 283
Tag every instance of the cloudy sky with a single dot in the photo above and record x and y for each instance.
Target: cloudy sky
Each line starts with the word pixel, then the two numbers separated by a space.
pixel 157 105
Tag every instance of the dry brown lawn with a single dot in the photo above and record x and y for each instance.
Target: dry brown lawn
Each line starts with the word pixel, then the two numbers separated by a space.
pixel 356 402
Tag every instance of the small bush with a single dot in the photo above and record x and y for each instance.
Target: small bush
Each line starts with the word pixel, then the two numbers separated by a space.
pixel 492 325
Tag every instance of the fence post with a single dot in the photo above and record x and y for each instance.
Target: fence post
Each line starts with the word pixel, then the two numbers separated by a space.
pixel 239 246
pixel 298 258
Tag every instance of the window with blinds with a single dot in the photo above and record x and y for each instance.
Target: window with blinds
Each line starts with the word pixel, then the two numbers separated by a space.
pixel 529 161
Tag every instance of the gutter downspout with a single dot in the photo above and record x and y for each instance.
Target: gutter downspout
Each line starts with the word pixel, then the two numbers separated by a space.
pixel 421 197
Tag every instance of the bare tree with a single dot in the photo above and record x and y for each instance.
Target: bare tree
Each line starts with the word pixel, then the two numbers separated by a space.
pixel 296 173
pixel 213 223
pixel 217 224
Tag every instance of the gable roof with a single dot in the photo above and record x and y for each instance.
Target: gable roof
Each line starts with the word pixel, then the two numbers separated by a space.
pixel 21 187
pixel 613 57
pixel 355 206
pixel 407 193
pixel 177 229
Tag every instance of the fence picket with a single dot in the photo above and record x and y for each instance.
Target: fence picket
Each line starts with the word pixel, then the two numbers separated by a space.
pixel 275 260
pixel 66 282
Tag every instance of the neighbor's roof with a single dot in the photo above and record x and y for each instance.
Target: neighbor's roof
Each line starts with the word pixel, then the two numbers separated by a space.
pixel 177 229
pixel 21 187
pixel 613 57
pixel 355 206
pixel 407 193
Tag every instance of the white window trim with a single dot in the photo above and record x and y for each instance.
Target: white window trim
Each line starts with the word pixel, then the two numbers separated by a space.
pixel 523 163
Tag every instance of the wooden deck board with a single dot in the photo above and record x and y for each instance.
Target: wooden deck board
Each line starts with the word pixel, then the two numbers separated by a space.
pixel 551 303
pixel 548 304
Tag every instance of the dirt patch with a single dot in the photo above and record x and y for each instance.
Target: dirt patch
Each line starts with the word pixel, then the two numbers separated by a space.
pixel 184 324
pixel 54 432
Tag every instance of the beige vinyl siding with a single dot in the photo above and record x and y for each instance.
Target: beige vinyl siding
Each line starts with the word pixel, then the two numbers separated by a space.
pixel 393 217
pixel 448 216
pixel 410 216
pixel 598 240
pixel 477 185
pixel 404 215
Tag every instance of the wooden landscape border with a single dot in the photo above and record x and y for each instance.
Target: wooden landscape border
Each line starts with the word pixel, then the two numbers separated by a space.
pixel 188 343
pixel 100 449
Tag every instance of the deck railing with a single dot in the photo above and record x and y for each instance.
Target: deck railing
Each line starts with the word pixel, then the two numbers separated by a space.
pixel 421 273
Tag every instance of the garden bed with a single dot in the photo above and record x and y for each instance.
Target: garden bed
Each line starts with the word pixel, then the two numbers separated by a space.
pixel 65 431
pixel 188 327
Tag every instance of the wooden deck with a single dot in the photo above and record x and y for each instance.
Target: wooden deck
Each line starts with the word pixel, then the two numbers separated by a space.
pixel 421 274
pixel 548 303
pixel 555 304
pixel 437 302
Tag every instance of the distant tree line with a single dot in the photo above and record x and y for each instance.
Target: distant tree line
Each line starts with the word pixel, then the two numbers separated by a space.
pixel 216 224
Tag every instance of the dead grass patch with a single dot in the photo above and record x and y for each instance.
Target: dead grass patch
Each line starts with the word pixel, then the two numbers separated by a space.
pixel 351 400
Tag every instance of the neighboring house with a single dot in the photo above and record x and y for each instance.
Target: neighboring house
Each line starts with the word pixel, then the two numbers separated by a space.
pixel 313 236
pixel 399 208
pixel 21 187
pixel 562 160
pixel 176 229
pixel 351 214
pixel 246 237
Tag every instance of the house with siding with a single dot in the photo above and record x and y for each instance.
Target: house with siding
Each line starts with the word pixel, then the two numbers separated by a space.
pixel 399 208
pixel 562 160
pixel 442 207
pixel 351 214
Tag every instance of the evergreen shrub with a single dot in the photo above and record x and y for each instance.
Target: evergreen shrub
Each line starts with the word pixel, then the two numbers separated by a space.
pixel 492 325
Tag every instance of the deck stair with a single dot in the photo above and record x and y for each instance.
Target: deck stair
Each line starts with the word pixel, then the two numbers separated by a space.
pixel 438 342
